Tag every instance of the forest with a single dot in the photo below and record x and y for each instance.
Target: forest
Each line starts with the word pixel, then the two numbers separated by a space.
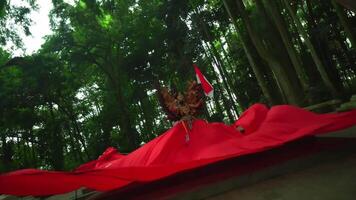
pixel 91 85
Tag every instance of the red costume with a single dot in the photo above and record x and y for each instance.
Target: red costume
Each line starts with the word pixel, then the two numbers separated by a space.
pixel 170 153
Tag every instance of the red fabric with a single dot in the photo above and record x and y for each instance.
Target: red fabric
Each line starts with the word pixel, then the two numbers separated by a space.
pixel 207 87
pixel 170 153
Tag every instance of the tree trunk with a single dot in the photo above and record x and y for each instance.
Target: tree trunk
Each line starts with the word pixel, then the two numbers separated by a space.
pixel 225 76
pixel 56 141
pixel 283 77
pixel 323 73
pixel 69 112
pixel 227 105
pixel 272 95
pixel 75 150
pixel 147 113
pixel 350 4
pixel 344 22
pixel 125 122
pixel 288 42
pixel 219 64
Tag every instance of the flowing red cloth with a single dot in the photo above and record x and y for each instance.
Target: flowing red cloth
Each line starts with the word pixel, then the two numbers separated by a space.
pixel 171 153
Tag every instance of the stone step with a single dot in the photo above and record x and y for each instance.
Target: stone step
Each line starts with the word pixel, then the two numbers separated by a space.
pixel 328 181
pixel 334 103
pixel 347 106
pixel 220 178
pixel 353 98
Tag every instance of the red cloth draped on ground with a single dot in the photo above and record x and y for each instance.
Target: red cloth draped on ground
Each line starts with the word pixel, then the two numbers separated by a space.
pixel 171 153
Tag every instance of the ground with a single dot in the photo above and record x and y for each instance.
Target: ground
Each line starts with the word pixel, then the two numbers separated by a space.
pixel 323 176
pixel 327 181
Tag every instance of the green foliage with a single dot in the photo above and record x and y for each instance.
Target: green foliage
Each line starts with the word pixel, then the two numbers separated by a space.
pixel 14 19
